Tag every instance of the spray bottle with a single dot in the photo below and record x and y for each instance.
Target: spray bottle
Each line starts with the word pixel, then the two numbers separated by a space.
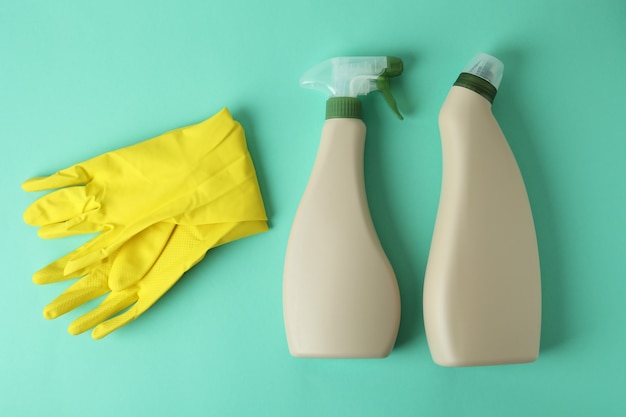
pixel 340 294
pixel 482 290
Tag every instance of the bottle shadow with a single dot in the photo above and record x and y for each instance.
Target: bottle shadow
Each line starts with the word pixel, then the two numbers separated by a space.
pixel 394 232
pixel 523 141
pixel 408 268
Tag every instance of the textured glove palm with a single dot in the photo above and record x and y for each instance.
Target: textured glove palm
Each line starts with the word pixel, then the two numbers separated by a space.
pixel 133 277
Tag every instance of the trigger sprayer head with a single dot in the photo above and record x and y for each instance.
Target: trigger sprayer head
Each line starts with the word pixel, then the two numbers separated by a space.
pixel 343 79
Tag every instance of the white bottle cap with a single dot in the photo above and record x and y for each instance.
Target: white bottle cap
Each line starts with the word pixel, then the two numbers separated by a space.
pixel 487 67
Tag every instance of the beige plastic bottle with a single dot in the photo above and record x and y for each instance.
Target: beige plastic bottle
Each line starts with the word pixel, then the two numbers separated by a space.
pixel 340 294
pixel 482 290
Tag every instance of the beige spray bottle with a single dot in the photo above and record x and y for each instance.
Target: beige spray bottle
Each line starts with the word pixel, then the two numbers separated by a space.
pixel 482 290
pixel 340 295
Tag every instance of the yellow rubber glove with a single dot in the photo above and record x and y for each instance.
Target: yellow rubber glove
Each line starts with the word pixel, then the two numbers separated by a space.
pixel 146 273
pixel 123 192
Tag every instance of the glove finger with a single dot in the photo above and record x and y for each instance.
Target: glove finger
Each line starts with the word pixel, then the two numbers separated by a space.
pixel 105 244
pixel 110 241
pixel 75 175
pixel 112 304
pixel 76 226
pixel 138 255
pixel 57 271
pixel 60 206
pixel 111 325
pixel 154 284
pixel 54 272
pixel 82 291
pixel 184 249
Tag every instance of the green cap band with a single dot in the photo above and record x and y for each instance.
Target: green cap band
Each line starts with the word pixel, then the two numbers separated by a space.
pixel 477 84
pixel 394 66
pixel 343 107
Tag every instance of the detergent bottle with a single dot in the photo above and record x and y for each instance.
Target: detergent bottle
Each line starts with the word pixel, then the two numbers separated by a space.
pixel 340 294
pixel 482 289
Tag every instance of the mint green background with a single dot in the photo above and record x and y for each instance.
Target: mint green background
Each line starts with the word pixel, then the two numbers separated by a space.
pixel 80 78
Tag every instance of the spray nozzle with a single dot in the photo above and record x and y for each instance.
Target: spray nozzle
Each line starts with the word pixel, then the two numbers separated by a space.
pixel 351 77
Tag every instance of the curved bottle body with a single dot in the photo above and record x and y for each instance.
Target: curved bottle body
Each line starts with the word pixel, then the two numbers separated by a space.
pixel 482 290
pixel 340 294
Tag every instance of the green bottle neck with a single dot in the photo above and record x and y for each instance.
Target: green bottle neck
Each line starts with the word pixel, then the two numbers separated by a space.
pixel 343 108
pixel 477 84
